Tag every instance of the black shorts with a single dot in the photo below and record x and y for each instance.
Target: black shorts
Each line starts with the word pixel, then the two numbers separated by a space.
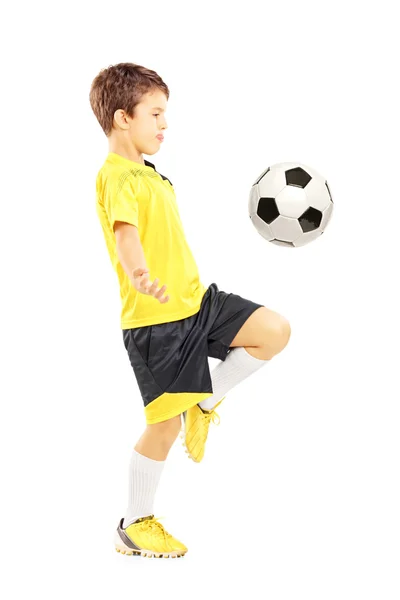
pixel 170 359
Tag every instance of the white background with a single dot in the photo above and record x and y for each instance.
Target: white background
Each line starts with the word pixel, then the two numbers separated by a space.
pixel 298 494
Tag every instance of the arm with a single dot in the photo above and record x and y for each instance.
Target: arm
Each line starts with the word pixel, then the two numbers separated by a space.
pixel 129 248
pixel 131 256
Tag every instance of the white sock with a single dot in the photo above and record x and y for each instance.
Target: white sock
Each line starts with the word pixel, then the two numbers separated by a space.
pixel 237 366
pixel 144 476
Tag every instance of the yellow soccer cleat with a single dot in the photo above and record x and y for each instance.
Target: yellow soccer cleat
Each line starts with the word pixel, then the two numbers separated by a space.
pixel 147 537
pixel 196 422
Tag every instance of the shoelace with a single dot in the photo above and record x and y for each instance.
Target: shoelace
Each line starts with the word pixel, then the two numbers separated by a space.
pixel 211 416
pixel 158 528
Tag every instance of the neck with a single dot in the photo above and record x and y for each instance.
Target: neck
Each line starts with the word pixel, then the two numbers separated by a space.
pixel 129 153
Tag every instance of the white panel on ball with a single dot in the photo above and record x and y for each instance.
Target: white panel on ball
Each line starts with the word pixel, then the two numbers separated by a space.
pixel 307 237
pixel 272 183
pixel 317 194
pixel 263 228
pixel 254 197
pixel 326 216
pixel 285 229
pixel 292 202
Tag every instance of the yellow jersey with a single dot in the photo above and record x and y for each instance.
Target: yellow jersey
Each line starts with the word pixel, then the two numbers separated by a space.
pixel 134 193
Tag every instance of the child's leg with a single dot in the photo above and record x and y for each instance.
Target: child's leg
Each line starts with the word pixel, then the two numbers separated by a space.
pixel 237 366
pixel 146 465
pixel 262 339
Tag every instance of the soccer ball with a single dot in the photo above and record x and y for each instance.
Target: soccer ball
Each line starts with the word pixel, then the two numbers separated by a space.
pixel 290 204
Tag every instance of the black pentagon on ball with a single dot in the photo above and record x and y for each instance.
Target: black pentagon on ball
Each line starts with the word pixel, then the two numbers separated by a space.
pixel 297 177
pixel 267 210
pixel 310 219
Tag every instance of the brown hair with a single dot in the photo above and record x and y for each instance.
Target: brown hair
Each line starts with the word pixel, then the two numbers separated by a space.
pixel 121 86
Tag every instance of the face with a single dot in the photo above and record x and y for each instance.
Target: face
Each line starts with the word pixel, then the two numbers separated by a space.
pixel 149 121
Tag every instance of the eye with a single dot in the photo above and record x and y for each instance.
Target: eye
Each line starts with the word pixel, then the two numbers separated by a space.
pixel 156 115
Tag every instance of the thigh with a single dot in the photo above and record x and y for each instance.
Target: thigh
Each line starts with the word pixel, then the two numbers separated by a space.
pixel 171 366
pixel 156 353
pixel 255 329
pixel 227 313
pixel 137 345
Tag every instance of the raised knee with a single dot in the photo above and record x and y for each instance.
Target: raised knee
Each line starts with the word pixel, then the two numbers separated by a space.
pixel 278 334
pixel 285 331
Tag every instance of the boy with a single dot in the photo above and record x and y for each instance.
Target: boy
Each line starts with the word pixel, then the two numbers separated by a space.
pixel 168 336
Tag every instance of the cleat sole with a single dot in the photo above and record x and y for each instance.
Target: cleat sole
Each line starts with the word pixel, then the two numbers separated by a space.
pixel 123 549
pixel 149 554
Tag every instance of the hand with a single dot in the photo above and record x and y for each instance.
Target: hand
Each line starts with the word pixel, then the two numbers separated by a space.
pixel 142 284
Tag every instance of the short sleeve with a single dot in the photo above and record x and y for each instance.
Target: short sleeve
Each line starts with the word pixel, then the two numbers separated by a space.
pixel 122 205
